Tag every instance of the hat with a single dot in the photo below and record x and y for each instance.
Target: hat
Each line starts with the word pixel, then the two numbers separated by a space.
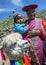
pixel 16 15
pixel 28 7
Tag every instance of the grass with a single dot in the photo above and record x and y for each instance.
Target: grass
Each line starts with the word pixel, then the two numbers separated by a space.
pixel 6 19
pixel 0 44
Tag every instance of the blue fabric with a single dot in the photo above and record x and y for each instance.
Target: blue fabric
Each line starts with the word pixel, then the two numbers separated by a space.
pixel 12 62
pixel 19 27
pixel 15 62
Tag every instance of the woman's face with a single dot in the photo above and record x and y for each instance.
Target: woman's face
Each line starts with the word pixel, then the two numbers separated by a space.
pixel 31 14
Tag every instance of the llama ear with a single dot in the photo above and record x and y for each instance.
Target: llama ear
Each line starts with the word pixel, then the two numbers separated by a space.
pixel 1 47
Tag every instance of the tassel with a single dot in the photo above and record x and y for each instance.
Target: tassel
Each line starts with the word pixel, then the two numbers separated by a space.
pixel 26 60
pixel 19 62
pixel 2 55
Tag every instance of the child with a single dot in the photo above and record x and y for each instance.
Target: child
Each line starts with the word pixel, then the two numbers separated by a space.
pixel 20 25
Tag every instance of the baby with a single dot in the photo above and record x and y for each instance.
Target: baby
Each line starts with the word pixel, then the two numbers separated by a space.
pixel 20 26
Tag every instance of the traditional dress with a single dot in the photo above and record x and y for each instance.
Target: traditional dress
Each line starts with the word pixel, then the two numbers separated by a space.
pixel 37 42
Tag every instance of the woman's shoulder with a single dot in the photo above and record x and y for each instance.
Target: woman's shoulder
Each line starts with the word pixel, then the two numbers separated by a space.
pixel 42 21
pixel 38 19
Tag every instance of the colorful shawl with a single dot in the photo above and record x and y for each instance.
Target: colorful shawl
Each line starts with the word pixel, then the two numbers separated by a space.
pixel 37 42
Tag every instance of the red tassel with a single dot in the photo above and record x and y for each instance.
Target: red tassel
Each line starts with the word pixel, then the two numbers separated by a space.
pixel 2 54
pixel 26 60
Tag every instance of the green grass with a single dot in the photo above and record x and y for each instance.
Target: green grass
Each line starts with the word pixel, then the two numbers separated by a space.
pixel 0 44
pixel 6 19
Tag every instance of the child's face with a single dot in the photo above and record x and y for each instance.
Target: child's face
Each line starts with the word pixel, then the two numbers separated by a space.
pixel 19 19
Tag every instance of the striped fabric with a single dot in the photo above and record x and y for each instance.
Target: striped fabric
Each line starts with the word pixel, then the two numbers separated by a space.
pixel 23 61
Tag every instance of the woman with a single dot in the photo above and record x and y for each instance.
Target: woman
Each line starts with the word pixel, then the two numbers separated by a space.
pixel 36 33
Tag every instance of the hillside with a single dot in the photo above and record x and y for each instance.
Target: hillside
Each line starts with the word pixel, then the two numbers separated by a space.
pixel 7 23
pixel 41 14
pixel 5 27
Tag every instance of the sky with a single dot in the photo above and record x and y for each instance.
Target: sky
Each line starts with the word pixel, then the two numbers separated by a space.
pixel 7 6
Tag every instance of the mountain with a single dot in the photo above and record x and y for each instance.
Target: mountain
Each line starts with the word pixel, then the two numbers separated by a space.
pixel 6 26
pixel 41 14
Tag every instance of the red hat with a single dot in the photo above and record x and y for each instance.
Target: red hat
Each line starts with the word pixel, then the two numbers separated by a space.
pixel 28 7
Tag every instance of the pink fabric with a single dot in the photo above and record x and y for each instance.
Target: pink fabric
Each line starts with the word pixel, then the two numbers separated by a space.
pixel 29 26
pixel 38 40
pixel 41 45
pixel 41 52
pixel 41 24
pixel 2 55
pixel 39 27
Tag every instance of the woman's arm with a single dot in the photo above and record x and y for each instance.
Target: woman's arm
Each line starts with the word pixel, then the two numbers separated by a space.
pixel 34 33
pixel 38 32
pixel 44 24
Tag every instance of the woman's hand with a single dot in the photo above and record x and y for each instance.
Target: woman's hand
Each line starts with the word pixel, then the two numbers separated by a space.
pixel 33 33
pixel 30 33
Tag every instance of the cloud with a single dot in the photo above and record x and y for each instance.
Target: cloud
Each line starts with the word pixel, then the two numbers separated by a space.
pixel 5 10
pixel 18 3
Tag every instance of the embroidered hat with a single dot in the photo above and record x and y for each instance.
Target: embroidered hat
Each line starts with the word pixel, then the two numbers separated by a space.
pixel 28 7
